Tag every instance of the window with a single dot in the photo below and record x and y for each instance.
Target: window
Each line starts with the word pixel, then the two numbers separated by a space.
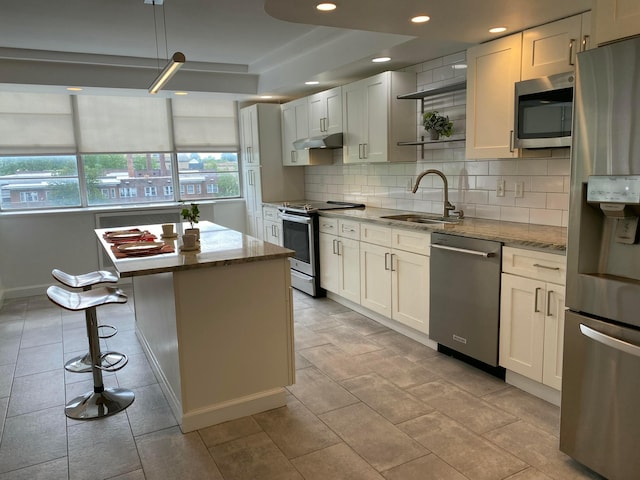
pixel 128 192
pixel 28 196
pixel 39 182
pixel 208 175
pixel 126 173
pixel 39 165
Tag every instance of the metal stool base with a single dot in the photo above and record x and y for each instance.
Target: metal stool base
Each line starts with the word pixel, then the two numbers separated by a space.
pixel 110 362
pixel 94 405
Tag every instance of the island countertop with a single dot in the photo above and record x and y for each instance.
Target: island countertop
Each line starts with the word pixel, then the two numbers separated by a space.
pixel 218 246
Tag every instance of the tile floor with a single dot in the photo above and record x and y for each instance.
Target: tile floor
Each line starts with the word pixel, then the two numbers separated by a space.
pixel 368 404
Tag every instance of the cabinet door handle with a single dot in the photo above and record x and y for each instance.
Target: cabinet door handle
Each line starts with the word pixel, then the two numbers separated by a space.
pixel 392 255
pixel 585 42
pixel 360 150
pixel 338 243
pixel 294 156
pixel 572 44
pixel 544 266
pixel 549 314
pixel 249 155
pixel 535 307
pixel 386 261
pixel 334 247
pixel 364 150
pixel 511 141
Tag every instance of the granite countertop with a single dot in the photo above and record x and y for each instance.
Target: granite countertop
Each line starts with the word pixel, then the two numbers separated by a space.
pixel 219 246
pixel 512 234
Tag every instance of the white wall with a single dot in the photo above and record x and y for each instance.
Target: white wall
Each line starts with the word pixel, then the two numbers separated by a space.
pixel 472 182
pixel 33 244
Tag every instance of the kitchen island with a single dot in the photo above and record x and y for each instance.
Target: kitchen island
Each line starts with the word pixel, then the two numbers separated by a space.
pixel 216 323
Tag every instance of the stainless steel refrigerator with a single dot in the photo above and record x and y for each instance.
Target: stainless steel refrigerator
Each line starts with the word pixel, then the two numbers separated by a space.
pixel 600 412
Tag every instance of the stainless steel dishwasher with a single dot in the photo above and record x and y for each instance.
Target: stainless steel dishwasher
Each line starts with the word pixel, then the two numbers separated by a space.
pixel 465 295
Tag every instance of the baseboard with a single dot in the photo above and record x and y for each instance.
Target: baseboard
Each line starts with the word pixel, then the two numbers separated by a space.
pixel 387 322
pixel 174 402
pixel 536 389
pixel 232 409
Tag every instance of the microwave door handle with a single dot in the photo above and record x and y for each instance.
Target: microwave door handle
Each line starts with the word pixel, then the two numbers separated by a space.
pixel 572 44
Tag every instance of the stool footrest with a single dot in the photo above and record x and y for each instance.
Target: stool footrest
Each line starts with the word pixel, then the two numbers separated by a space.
pixel 112 361
pixel 113 329
pixel 94 405
pixel 82 363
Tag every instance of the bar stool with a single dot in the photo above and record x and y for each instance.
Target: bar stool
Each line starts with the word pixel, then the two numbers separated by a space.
pixel 101 402
pixel 82 363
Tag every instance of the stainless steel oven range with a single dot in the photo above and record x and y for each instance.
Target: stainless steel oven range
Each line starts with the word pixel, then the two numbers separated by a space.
pixel 300 234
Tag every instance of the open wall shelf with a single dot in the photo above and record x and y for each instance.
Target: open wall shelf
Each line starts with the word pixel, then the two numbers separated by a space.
pixel 454 87
pixel 458 141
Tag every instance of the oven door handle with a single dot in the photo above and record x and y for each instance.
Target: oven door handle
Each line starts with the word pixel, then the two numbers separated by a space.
pixel 295 218
pixel 609 341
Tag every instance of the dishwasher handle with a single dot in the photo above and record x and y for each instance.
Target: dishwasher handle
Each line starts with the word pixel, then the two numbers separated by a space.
pixel 464 250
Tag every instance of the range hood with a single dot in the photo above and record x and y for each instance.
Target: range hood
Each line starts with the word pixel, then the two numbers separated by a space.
pixel 323 141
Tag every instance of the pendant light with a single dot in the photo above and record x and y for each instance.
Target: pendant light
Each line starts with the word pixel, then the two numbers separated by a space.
pixel 176 60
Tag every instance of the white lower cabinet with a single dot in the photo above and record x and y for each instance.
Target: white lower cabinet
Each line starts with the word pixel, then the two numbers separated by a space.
pixel 340 258
pixel 272 225
pixel 532 315
pixel 395 282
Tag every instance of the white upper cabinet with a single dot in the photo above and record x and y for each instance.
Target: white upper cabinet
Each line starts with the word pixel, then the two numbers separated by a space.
pixel 552 48
pixel 493 69
pixel 294 127
pixel 375 120
pixel 616 19
pixel 325 112
pixel 249 136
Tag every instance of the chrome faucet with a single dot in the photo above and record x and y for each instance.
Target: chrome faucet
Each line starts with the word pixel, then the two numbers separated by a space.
pixel 447 205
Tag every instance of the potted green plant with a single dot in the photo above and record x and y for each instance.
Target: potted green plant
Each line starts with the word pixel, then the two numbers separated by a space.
pixel 437 125
pixel 191 214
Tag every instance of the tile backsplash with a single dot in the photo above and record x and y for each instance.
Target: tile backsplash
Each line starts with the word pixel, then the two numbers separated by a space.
pixel 544 181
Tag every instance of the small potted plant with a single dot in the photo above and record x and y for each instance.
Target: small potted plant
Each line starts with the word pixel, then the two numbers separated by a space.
pixel 437 125
pixel 191 215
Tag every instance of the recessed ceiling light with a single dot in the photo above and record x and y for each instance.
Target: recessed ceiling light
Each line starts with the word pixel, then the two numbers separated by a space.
pixel 266 97
pixel 326 7
pixel 498 29
pixel 181 93
pixel 381 59
pixel 311 82
pixel 74 89
pixel 421 19
pixel 459 66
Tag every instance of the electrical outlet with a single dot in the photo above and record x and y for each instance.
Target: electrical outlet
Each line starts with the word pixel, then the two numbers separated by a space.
pixel 519 189
pixel 500 188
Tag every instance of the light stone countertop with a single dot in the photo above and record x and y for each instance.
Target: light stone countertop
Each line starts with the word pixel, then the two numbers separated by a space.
pixel 512 234
pixel 219 246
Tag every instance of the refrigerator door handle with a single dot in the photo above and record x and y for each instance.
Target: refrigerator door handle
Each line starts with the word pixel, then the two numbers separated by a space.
pixel 609 341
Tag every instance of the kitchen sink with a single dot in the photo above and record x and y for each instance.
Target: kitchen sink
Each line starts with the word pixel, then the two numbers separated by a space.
pixel 421 218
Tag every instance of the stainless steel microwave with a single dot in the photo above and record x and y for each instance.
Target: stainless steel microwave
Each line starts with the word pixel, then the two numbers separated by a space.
pixel 543 112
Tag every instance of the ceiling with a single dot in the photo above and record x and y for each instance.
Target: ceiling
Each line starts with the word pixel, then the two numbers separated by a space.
pixel 242 48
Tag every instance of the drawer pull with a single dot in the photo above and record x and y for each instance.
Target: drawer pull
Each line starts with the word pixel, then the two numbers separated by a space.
pixel 544 266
